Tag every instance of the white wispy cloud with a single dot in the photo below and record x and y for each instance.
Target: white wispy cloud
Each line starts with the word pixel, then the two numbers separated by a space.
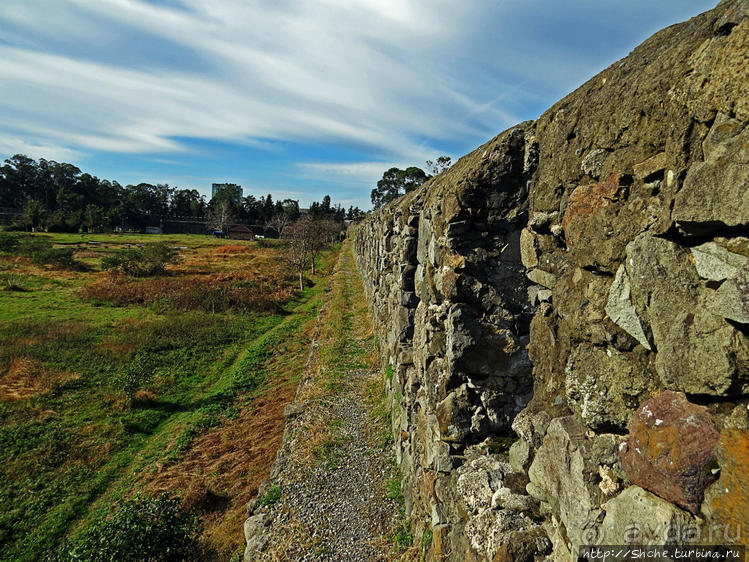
pixel 334 71
pixel 366 173
pixel 15 145
pixel 393 77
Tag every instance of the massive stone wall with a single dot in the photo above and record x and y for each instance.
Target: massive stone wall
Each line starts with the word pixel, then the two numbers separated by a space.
pixel 578 287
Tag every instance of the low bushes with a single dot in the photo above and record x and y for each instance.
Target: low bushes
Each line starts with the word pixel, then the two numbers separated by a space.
pixel 40 251
pixel 150 259
pixel 209 293
pixel 8 242
pixel 145 528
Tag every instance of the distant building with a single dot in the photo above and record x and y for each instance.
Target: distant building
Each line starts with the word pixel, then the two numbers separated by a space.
pixel 236 189
pixel 241 232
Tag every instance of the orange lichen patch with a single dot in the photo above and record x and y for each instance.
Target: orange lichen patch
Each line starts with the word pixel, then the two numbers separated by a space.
pixel 585 200
pixel 26 378
pixel 730 498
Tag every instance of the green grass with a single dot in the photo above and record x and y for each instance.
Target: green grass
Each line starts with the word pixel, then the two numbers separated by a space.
pixel 426 543
pixel 271 497
pixel 400 535
pixel 74 447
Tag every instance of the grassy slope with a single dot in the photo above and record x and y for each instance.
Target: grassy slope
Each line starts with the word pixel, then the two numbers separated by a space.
pixel 69 447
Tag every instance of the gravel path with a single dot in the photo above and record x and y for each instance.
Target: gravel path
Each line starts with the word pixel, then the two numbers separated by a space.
pixel 331 470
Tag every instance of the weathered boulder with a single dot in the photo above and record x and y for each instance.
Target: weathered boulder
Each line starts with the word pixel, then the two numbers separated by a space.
pixel 562 477
pixel 637 517
pixel 604 386
pixel 670 447
pixel 711 193
pixel 698 351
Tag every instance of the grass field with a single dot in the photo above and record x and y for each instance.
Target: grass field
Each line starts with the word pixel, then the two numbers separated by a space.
pixel 214 344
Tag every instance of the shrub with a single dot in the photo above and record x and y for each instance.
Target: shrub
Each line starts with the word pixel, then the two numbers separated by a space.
pixel 144 528
pixel 8 242
pixel 56 257
pixel 271 497
pixel 135 375
pixel 30 245
pixel 41 252
pixel 149 260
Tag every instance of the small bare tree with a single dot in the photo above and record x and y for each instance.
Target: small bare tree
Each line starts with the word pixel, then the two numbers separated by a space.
pixel 299 238
pixel 279 222
pixel 221 215
pixel 326 232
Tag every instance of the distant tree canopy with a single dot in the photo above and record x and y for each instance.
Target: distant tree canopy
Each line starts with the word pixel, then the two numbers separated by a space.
pixel 396 182
pixel 60 197
pixel 438 166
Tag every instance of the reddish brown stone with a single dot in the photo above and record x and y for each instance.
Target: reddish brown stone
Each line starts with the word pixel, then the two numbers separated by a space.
pixel 671 442
pixel 584 201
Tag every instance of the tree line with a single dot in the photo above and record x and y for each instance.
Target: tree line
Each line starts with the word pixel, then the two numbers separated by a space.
pixel 59 197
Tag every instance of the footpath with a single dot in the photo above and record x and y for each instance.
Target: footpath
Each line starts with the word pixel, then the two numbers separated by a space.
pixel 333 491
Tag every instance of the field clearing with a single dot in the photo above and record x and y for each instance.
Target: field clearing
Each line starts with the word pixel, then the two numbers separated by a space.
pixel 215 343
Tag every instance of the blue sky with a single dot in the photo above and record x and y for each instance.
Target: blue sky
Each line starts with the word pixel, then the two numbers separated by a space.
pixel 294 98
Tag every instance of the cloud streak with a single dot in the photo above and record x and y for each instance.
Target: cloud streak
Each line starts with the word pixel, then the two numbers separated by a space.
pixel 336 72
pixel 390 80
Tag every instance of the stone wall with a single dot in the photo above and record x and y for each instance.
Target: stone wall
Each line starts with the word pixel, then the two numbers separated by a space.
pixel 578 288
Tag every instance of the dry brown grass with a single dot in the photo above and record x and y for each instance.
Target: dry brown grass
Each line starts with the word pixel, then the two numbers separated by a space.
pixel 18 265
pixel 213 292
pixel 224 467
pixel 222 250
pixel 26 377
pixel 215 279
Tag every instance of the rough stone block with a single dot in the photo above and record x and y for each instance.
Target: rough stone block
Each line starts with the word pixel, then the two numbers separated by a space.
pixel 605 386
pixel 698 352
pixel 651 166
pixel 520 455
pixel 731 299
pixel 583 202
pixel 528 248
pixel 593 162
pixel 670 445
pixel 717 263
pixel 710 195
pixel 562 476
pixel 637 517
pixel 622 312
pixel 542 277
